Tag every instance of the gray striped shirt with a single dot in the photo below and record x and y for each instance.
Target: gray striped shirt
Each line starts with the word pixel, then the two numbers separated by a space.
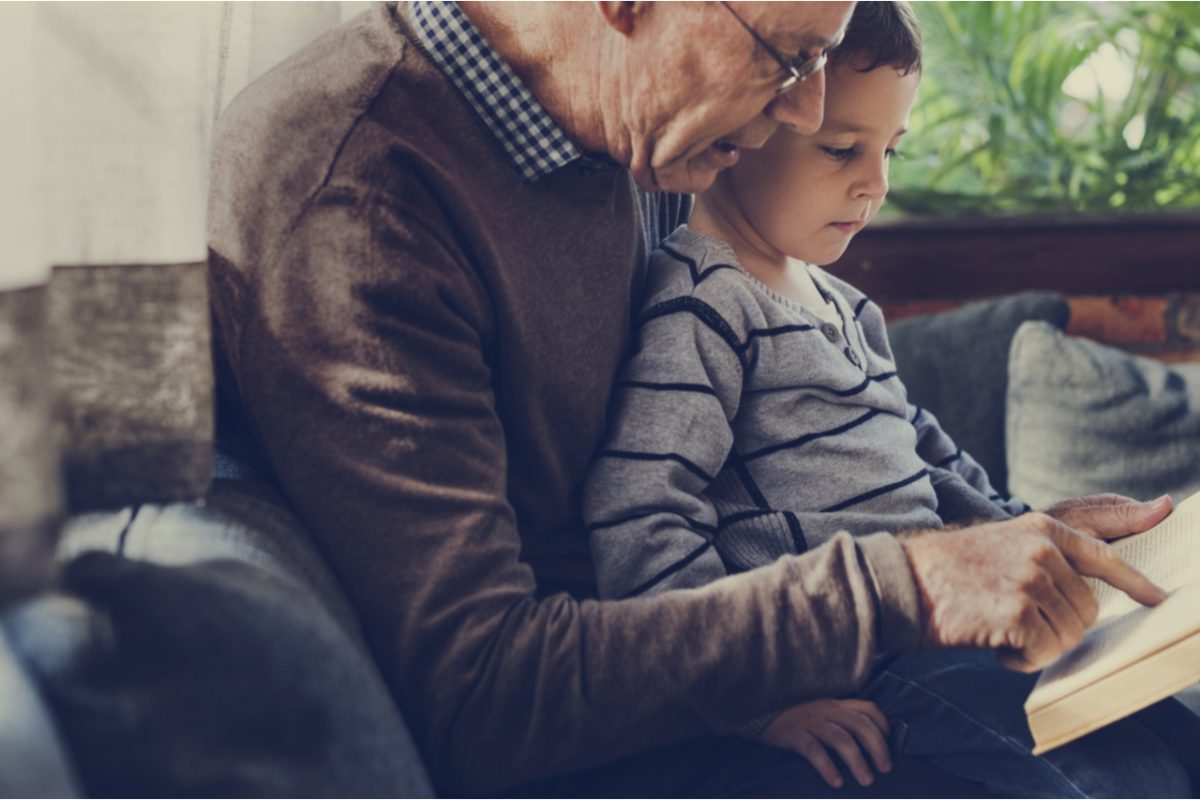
pixel 745 427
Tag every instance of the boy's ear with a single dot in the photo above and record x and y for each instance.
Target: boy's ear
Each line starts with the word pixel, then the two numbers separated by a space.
pixel 622 16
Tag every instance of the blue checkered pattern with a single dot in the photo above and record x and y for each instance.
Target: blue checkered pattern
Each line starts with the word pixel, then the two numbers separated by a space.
pixel 530 136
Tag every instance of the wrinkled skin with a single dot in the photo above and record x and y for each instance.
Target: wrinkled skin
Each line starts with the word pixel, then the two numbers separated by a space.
pixel 1016 585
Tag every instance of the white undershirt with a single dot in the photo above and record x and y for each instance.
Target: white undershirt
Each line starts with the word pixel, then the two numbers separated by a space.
pixel 809 295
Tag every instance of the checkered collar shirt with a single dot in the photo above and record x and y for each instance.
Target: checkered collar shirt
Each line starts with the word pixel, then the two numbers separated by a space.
pixel 530 136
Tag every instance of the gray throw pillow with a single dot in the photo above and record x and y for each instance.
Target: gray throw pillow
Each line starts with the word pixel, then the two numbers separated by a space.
pixel 955 364
pixel 1084 418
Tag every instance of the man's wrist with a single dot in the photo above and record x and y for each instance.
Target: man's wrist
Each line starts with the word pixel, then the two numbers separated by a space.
pixel 896 589
pixel 914 545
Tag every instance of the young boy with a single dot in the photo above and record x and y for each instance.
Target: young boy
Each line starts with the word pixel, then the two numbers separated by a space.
pixel 761 413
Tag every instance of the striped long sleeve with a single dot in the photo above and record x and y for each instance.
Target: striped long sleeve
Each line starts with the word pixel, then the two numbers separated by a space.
pixel 965 493
pixel 743 429
pixel 651 522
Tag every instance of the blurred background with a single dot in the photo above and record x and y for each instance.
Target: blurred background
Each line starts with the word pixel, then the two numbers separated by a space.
pixel 1025 108
pixel 108 117
pixel 1049 106
pixel 1053 146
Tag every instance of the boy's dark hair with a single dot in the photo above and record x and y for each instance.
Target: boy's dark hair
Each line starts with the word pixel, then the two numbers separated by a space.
pixel 881 33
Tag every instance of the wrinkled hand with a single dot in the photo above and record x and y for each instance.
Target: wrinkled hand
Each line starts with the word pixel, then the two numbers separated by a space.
pixel 1111 516
pixel 1015 585
pixel 846 726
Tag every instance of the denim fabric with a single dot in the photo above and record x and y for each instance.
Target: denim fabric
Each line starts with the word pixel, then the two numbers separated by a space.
pixel 964 712
pixel 735 767
pixel 1191 698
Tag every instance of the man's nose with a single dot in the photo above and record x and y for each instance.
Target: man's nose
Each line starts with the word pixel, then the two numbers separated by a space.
pixel 803 107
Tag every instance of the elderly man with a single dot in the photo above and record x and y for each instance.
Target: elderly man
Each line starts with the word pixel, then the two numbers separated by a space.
pixel 428 230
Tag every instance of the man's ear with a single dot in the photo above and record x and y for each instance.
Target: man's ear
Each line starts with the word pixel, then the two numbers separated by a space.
pixel 622 16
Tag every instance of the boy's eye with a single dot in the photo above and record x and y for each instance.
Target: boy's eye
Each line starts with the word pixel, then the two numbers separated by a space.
pixel 840 153
pixel 892 153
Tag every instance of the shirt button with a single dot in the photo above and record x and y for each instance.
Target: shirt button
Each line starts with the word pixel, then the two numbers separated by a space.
pixel 830 330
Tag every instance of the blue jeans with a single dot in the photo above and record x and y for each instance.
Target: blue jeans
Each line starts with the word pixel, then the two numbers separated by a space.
pixel 730 766
pixel 964 712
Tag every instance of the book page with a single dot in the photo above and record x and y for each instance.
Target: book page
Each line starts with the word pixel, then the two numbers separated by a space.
pixel 1168 554
pixel 1123 640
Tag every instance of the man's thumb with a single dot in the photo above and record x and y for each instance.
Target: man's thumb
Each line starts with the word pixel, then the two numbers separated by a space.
pixel 1142 516
pixel 1117 520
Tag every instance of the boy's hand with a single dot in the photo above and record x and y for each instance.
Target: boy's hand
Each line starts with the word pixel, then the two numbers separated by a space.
pixel 847 726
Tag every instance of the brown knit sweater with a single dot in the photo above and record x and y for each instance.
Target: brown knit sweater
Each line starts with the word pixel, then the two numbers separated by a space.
pixel 423 347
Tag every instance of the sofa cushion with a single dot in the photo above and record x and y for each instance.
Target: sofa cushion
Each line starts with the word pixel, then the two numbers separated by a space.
pixel 210 652
pixel 955 365
pixel 243 520
pixel 1084 418
pixel 215 679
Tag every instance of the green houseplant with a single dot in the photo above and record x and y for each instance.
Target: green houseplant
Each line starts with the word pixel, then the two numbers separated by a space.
pixel 1054 107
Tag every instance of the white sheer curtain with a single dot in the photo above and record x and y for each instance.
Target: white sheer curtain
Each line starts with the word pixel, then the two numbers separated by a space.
pixel 20 181
pixel 108 121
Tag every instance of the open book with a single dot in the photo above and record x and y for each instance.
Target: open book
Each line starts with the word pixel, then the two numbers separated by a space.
pixel 1133 656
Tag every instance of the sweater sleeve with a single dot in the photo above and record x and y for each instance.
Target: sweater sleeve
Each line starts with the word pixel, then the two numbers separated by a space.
pixel 362 357
pixel 650 524
pixel 940 452
pixel 962 484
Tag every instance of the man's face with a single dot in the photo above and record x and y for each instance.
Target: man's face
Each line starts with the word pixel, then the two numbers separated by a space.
pixel 702 89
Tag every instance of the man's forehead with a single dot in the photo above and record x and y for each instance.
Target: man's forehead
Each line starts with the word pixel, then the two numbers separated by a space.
pixel 806 25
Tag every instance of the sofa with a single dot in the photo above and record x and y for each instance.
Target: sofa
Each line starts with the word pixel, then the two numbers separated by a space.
pixel 201 646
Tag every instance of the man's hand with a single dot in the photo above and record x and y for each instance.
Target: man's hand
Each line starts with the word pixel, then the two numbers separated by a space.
pixel 1015 585
pixel 846 726
pixel 1111 516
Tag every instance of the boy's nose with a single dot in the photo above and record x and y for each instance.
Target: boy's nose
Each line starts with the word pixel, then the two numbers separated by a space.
pixel 803 107
pixel 874 182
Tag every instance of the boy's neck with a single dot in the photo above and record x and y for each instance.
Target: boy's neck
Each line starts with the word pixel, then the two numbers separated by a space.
pixel 782 274
pixel 722 221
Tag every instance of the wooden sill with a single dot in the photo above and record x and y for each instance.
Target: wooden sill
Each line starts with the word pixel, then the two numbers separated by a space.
pixel 918 259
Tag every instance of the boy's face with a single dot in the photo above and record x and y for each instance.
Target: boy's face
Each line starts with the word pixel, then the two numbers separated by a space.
pixel 806 196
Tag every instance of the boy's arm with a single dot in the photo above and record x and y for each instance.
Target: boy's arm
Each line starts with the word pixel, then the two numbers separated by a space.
pixel 938 450
pixel 960 481
pixel 651 526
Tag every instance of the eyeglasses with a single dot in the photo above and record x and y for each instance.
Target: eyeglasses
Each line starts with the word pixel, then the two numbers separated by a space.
pixel 797 68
